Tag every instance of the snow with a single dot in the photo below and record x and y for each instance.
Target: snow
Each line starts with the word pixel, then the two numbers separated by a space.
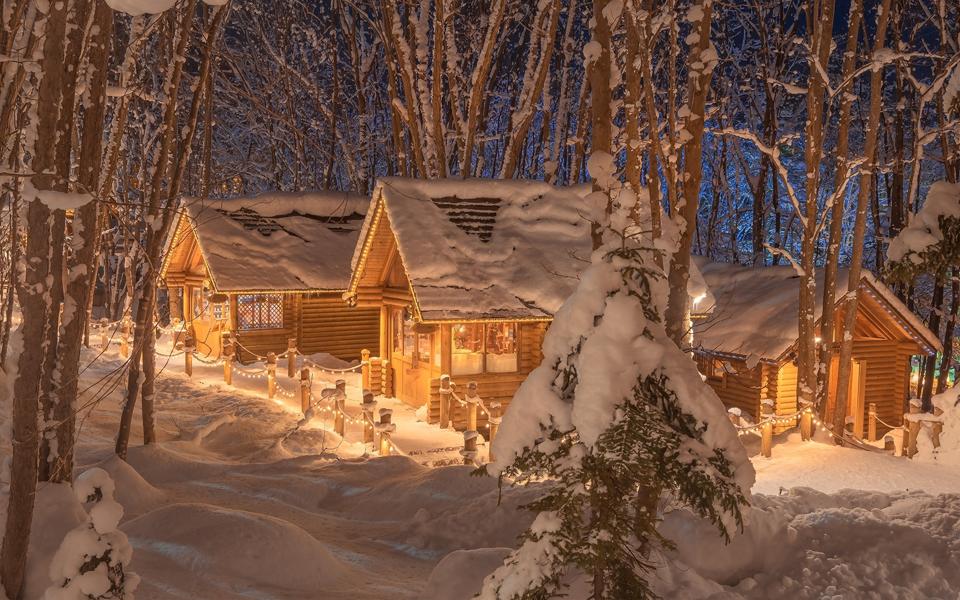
pixel 539 243
pixel 233 514
pixel 943 200
pixel 310 239
pixel 753 310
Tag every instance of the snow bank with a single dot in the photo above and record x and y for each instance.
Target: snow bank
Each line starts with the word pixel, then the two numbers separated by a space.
pixel 132 491
pixel 460 574
pixel 949 451
pixel 56 512
pixel 233 544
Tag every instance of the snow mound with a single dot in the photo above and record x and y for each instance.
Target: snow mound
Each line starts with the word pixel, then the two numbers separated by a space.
pixel 56 512
pixel 949 451
pixel 459 575
pixel 808 544
pixel 213 542
pixel 133 492
pixel 943 200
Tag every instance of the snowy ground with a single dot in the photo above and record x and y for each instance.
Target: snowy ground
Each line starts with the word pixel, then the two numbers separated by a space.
pixel 222 508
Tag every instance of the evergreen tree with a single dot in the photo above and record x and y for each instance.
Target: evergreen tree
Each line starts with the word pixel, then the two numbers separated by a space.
pixel 618 421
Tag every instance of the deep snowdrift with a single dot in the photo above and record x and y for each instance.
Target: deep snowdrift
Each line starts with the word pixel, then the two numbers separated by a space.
pixel 219 510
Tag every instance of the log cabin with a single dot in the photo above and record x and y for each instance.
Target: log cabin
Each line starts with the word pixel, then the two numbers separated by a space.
pixel 270 269
pixel 466 275
pixel 745 334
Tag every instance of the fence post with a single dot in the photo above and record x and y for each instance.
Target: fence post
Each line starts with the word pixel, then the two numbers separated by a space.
pixel 339 422
pixel 766 416
pixel 889 445
pixel 734 415
pixel 291 357
pixel 913 426
pixel 305 389
pixel 368 406
pixel 872 422
pixel 188 348
pixel 494 419
pixel 271 374
pixel 385 427
pixel 469 452
pixel 473 399
pixel 125 338
pixel 936 428
pixel 365 369
pixel 227 358
pixel 445 395
pixel 806 422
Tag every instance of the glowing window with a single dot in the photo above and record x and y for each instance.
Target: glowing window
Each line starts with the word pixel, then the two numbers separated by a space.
pixel 259 311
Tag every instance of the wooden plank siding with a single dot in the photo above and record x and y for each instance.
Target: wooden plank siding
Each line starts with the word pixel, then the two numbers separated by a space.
pixel 320 322
pixel 329 325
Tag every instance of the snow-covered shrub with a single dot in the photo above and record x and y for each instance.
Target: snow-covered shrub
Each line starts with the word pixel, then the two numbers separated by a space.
pixel 91 563
pixel 618 419
pixel 931 242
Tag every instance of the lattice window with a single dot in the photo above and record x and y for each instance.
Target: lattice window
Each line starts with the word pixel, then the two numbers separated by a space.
pixel 259 311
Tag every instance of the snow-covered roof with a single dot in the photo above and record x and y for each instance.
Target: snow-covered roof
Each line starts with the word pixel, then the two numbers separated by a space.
pixel 753 311
pixel 483 248
pixel 278 241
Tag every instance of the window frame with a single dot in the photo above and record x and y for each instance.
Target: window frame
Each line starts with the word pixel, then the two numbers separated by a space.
pixel 271 326
pixel 483 347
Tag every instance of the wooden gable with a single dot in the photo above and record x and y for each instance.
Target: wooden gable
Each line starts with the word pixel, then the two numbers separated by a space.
pixel 380 275
pixel 184 262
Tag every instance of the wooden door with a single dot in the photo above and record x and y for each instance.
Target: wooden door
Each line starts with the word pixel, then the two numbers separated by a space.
pixel 856 395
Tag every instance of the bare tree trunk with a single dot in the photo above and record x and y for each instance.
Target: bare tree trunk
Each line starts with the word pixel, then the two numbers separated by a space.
pixel 35 307
pixel 827 327
pixel 845 361
pixel 143 325
pixel 154 238
pixel 479 84
pixel 699 86
pixel 85 233
pixel 946 360
pixel 820 25
pixel 538 65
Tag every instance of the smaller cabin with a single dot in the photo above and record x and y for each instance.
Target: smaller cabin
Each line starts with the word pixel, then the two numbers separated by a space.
pixel 745 334
pixel 269 268
pixel 466 276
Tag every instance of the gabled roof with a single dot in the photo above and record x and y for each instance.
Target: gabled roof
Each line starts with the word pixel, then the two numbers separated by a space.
pixel 753 311
pixel 480 249
pixel 276 241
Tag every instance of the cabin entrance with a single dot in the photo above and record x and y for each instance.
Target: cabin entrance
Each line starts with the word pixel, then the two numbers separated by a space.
pixel 413 351
pixel 855 395
pixel 209 316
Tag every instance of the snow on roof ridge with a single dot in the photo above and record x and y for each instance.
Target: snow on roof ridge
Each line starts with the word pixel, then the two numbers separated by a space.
pixel 284 241
pixel 754 308
pixel 458 275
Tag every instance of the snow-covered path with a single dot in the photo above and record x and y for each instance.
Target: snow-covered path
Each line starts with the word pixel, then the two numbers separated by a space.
pixel 221 508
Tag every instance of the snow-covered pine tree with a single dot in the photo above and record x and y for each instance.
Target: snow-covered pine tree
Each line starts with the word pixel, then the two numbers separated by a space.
pixel 617 421
pixel 91 562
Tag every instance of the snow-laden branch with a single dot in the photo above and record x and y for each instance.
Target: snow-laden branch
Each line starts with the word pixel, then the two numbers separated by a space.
pixel 774 154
